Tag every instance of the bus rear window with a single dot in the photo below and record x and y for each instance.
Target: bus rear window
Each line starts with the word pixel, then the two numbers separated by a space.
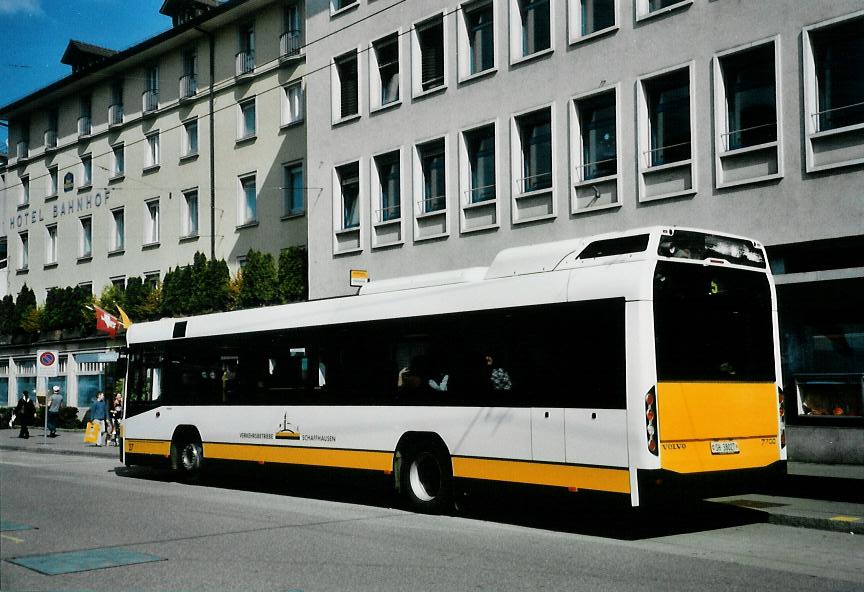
pixel 712 324
pixel 686 244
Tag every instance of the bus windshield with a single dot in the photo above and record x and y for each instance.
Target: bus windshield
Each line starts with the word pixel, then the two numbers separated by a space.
pixel 712 324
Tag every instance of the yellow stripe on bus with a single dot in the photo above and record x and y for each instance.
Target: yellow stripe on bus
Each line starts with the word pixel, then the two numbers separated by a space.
pixel 575 477
pixel 322 457
pixel 157 447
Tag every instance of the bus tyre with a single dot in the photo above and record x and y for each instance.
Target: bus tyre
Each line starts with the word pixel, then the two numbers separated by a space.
pixel 189 458
pixel 426 479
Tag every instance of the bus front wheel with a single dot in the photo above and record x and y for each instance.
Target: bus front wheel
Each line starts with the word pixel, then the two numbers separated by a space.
pixel 190 456
pixel 426 479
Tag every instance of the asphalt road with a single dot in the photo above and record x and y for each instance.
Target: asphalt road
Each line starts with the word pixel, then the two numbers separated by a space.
pixel 301 530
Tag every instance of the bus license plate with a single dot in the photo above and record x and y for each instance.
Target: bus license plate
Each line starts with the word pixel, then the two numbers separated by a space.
pixel 724 448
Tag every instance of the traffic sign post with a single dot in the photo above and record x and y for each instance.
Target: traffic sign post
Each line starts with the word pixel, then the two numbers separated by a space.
pixel 47 366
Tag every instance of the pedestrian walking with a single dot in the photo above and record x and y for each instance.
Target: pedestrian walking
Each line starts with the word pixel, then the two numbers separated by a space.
pixel 25 411
pixel 55 403
pixel 99 415
pixel 116 415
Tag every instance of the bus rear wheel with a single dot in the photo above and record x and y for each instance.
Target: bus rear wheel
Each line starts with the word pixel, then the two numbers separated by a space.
pixel 426 480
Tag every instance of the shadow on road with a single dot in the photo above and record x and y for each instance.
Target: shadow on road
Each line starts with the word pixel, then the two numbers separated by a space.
pixel 552 509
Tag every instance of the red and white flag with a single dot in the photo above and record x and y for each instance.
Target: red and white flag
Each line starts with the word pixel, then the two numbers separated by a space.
pixel 106 322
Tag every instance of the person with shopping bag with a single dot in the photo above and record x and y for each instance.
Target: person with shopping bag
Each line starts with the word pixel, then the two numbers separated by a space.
pixel 98 416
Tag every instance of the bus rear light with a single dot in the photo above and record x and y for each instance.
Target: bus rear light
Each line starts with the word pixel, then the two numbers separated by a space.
pixel 651 421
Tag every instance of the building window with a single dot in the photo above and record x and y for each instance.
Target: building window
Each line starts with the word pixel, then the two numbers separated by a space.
pixel 291 41
pixel 189 213
pixel 118 282
pixel 476 38
pixel 190 137
pixel 384 67
pixel 152 150
pixel 646 8
pixel 150 98
pixel 293 201
pixel 151 279
pixel 293 104
pixel 834 92
pixel 530 27
pixel 51 244
pixel 118 161
pixel 118 230
pixel 247 204
pixel 667 101
pixel 151 222
pixel 24 198
pixel 115 110
pixel 349 188
pixel 53 186
pixel 387 183
pixel 246 120
pixel 86 171
pixel 432 167
pixel 85 242
pixel 189 79
pixel 533 155
pixel 84 121
pixel 479 147
pixel 748 82
pixel 245 59
pixel 591 17
pixel 340 5
pixel 345 87
pixel 428 46
pixel 595 148
pixel 23 251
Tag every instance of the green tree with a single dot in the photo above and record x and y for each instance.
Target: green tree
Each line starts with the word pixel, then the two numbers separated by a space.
pixel 7 315
pixel 293 274
pixel 218 280
pixel 259 280
pixel 25 305
pixel 65 308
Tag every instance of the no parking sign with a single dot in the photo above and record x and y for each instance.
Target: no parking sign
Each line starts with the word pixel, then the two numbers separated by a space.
pixel 47 363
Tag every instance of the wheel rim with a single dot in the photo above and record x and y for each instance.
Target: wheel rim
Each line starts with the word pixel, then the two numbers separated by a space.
pixel 190 457
pixel 424 476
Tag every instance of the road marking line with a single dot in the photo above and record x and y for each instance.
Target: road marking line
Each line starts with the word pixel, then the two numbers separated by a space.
pixel 846 518
pixel 11 538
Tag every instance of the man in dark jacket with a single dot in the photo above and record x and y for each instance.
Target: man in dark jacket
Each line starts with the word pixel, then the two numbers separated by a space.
pixel 25 412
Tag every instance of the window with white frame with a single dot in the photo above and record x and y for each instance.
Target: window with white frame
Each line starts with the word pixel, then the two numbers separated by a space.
pixel 646 8
pixel 87 287
pixel 293 103
pixel 667 106
pixel 85 237
pixel 151 279
pixel 53 186
pixel 591 17
pixel 118 230
pixel 23 250
pixel 246 119
pixel 479 151
pixel 348 177
pixel 86 171
pixel 595 150
pixel 51 244
pixel 293 190
pixel 530 27
pixel 151 222
pixel 118 160
pixel 339 5
pixel 150 98
pixel 428 45
pixel 189 213
pixel 247 202
pixel 387 186
pixel 533 151
pixel 432 167
pixel 346 97
pixel 24 196
pixel 118 281
pixel 836 55
pixel 384 69
pixel 749 113
pixel 152 149
pixel 476 38
pixel 245 59
pixel 190 137
pixel 293 34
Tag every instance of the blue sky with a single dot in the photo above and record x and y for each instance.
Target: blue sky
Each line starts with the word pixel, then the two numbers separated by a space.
pixel 36 32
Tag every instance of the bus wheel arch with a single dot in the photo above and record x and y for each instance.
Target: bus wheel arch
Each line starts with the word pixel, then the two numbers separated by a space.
pixel 187 451
pixel 423 472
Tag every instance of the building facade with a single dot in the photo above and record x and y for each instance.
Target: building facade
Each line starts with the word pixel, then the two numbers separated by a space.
pixel 192 141
pixel 443 132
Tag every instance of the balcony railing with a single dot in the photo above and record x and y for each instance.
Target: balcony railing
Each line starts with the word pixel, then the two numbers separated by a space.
pixel 22 149
pixel 84 127
pixel 244 62
pixel 290 44
pixel 115 114
pixel 537 182
pixel 50 138
pixel 150 100
pixel 188 86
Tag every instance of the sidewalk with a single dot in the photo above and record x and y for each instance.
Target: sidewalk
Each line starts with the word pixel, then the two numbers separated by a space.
pixel 824 497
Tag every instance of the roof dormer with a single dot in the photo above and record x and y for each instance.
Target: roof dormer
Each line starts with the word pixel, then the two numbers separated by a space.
pixel 182 11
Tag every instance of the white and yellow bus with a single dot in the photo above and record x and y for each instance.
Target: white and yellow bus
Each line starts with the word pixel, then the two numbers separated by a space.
pixel 628 362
